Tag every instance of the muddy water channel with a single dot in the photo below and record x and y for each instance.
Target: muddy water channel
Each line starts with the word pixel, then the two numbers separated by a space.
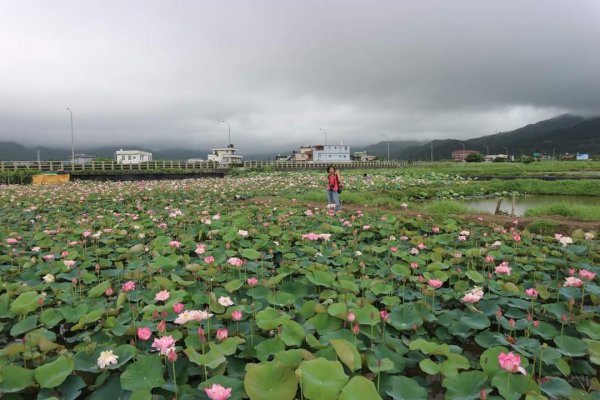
pixel 523 203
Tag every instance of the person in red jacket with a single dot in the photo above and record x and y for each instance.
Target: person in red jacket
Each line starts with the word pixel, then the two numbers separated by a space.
pixel 334 186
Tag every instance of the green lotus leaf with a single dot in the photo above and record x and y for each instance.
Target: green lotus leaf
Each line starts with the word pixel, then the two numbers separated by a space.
pixel 270 380
pixel 145 374
pixel 270 318
pixel 14 378
pixel 514 386
pixel 23 326
pixel 589 328
pixel 347 353
pixel 359 388
pixel 292 358
pixel 465 385
pixel 571 346
pixel 25 303
pixel 321 379
pixel 54 373
pixel 556 388
pixel 293 333
pixel 269 347
pixel 405 388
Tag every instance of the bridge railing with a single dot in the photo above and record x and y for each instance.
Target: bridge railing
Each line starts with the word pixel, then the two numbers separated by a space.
pixel 55 166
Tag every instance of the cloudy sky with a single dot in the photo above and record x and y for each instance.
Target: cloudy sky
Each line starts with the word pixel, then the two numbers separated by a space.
pixel 166 73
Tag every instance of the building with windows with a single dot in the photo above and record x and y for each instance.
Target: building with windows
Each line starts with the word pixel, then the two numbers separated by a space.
pixel 225 156
pixel 331 153
pixel 461 155
pixel 132 156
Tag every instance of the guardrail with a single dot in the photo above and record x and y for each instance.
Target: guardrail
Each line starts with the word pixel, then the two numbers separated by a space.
pixel 323 165
pixel 53 166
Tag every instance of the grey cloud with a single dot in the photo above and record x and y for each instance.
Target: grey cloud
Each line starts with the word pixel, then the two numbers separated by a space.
pixel 166 73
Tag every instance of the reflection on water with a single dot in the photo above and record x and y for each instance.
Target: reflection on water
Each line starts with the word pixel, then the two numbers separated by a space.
pixel 523 203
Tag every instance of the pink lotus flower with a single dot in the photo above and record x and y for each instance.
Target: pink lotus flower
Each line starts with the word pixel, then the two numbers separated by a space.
pixel 236 315
pixel 587 275
pixel 435 229
pixel 172 356
pixel 178 307
pixel 252 282
pixel 573 282
pixel 435 283
pixel 503 269
pixel 161 326
pixel 144 333
pixel 531 292
pixel 462 238
pixel 200 249
pixel 243 233
pixel 218 392
pixel 69 263
pixel 351 317
pixel 414 251
pixel 489 259
pixel 163 295
pixel 414 265
pixel 421 246
pixel 209 259
pixel 384 315
pixel 473 296
pixel 12 241
pixel 393 249
pixel 356 329
pixel 86 233
pixel 108 291
pixel 516 237
pixel 310 236
pixel 511 362
pixel 164 344
pixel 128 286
pixel 48 257
pixel 234 261
pixel 222 334
pixel 225 301
pixel 175 244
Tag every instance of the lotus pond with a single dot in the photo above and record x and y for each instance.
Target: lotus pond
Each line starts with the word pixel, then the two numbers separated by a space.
pixel 182 289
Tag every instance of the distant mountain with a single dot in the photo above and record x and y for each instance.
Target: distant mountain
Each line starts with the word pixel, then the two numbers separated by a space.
pixel 562 134
pixel 380 149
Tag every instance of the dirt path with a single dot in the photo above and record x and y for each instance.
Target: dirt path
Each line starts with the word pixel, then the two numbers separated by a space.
pixel 566 226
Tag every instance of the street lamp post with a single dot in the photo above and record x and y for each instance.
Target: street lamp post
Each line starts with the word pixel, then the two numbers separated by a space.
pixel 325 132
pixel 487 150
pixel 387 138
pixel 72 142
pixel 228 131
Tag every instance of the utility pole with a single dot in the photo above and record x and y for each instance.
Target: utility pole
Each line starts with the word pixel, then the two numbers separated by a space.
pixel 72 142
pixel 431 150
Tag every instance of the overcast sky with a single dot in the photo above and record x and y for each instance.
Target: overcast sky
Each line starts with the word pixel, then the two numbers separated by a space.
pixel 165 73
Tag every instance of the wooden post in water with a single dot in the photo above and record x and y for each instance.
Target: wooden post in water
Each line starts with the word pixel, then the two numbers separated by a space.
pixel 512 211
pixel 498 206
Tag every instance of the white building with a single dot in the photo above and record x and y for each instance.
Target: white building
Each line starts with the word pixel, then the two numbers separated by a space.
pixel 331 153
pixel 225 156
pixel 132 156
pixel 83 158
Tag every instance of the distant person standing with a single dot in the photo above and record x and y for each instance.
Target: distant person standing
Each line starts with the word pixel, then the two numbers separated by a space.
pixel 334 187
